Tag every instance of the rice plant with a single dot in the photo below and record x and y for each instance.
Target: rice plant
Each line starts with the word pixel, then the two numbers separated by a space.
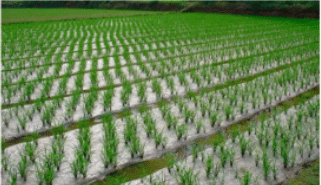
pixel 274 146
pixel 213 118
pixel 257 158
pixel 199 126
pixel 29 150
pixel 5 162
pixel 244 143
pixel 209 165
pixel 22 121
pixel 223 155
pixel 22 166
pixel 80 165
pixel 266 165
pixel 107 99
pixel 218 141
pixel 293 158
pixel 231 157
pixel 186 176
pixel 45 172
pixel 181 131
pixel 136 149
pixel 246 180
pixel 159 138
pixel 171 164
pixel 235 133
pixel 13 176
pixel 285 153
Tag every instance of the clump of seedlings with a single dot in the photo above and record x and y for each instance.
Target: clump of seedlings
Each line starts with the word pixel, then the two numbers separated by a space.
pixel 82 154
pixel 107 99
pixel 209 166
pixel 131 138
pixel 266 165
pixel 244 144
pixel 246 180
pixel 109 153
pixel 223 155
pixel 13 176
pixel 22 166
pixel 181 131
pixel 186 176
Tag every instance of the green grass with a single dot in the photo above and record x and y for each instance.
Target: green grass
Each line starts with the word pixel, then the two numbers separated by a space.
pixel 308 176
pixel 10 15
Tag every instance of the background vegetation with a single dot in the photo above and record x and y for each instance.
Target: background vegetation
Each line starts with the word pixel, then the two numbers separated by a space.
pixel 266 8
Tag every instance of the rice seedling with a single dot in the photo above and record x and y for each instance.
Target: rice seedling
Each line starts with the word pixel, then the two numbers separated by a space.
pixel 13 176
pixel 293 158
pixel 109 153
pixel 180 131
pixel 199 126
pixel 107 99
pixel 80 165
pixel 22 166
pixel 22 121
pixel 5 162
pixel 217 142
pixel 45 172
pixel 171 164
pixel 56 158
pixel 136 148
pixel 274 146
pixel 246 180
pixel 159 138
pixel 5 120
pixel 189 115
pixel 311 139
pixel 170 83
pixel 231 157
pixel 257 158
pixel 213 118
pixel 209 165
pixel 84 138
pixel 157 88
pixel 89 104
pixel 285 153
pixel 223 155
pixel 244 143
pixel 29 150
pixel 266 164
pixel 235 133
pixel 141 91
pixel 217 169
pixel 186 176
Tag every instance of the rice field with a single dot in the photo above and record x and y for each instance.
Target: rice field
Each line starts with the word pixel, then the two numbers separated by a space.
pixel 18 15
pixel 82 99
